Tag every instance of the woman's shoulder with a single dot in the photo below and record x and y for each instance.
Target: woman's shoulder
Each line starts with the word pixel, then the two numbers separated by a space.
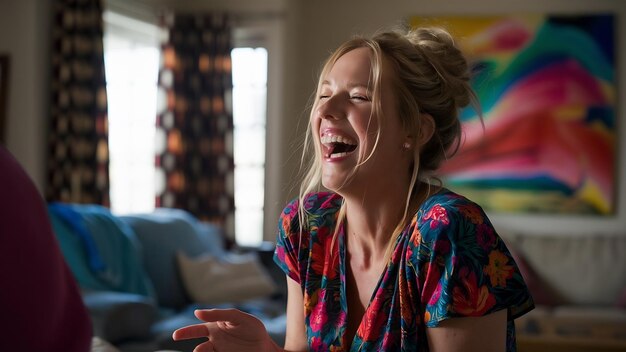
pixel 450 201
pixel 446 208
pixel 317 206
pixel 445 197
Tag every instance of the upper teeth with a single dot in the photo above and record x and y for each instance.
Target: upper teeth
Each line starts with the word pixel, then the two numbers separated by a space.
pixel 337 139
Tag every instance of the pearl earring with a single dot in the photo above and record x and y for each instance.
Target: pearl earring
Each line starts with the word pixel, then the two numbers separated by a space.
pixel 406 145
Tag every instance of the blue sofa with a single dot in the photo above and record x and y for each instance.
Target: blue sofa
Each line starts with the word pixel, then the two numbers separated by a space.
pixel 127 269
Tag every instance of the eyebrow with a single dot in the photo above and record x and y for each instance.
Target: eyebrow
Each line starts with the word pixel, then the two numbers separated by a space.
pixel 350 84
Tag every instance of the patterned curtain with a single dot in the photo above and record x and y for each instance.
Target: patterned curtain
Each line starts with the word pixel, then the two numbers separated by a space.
pixel 195 121
pixel 78 161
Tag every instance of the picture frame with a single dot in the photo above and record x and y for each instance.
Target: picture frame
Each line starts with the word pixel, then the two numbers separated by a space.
pixel 4 87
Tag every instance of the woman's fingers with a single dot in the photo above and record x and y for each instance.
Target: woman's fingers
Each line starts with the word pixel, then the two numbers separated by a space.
pixel 226 329
pixel 191 332
pixel 224 318
pixel 232 316
pixel 204 347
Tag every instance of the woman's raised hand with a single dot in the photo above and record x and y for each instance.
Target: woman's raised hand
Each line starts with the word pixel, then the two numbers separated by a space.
pixel 227 330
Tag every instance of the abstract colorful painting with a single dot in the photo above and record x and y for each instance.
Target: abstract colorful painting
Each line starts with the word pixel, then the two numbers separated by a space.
pixel 546 84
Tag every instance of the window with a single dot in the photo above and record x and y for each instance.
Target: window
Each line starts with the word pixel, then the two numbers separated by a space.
pixel 131 58
pixel 132 65
pixel 249 116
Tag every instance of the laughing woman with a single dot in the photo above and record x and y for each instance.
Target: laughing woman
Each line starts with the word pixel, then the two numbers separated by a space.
pixel 387 259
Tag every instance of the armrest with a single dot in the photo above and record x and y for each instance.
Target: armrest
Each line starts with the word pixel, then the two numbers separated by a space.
pixel 118 316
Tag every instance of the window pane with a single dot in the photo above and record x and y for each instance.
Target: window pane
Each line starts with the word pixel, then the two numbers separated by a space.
pixel 249 186
pixel 252 112
pixel 249 146
pixel 249 66
pixel 249 224
pixel 249 116
pixel 131 70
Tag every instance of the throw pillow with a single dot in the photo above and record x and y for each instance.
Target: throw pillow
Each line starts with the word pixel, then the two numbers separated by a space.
pixel 212 281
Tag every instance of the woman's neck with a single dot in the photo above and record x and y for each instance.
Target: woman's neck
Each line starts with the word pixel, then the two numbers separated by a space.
pixel 372 217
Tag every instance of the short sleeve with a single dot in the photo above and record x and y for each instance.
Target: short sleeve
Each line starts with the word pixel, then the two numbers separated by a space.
pixel 465 268
pixel 288 241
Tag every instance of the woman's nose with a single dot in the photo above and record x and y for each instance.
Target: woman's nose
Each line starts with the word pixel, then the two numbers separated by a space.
pixel 330 108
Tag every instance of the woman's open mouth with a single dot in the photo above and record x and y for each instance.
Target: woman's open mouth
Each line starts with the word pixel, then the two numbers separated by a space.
pixel 334 146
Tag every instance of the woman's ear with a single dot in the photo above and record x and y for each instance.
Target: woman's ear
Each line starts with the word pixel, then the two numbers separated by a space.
pixel 427 129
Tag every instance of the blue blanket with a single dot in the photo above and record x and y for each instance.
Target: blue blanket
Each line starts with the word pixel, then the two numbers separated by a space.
pixel 101 250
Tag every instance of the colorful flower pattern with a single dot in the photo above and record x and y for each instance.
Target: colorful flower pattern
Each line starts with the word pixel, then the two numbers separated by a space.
pixel 448 262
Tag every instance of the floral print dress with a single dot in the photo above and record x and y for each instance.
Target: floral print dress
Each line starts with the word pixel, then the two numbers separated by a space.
pixel 448 262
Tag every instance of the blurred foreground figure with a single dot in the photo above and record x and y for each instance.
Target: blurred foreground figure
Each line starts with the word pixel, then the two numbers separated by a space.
pixel 40 303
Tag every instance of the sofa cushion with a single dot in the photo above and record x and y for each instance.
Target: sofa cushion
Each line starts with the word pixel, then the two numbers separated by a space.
pixel 209 280
pixel 162 234
pixel 119 316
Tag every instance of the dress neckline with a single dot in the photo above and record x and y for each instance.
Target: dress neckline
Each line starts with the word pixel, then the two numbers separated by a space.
pixel 343 287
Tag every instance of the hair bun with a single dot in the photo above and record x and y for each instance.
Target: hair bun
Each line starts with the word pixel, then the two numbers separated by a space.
pixel 439 49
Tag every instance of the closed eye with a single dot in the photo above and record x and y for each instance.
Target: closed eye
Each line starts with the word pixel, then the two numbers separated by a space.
pixel 360 97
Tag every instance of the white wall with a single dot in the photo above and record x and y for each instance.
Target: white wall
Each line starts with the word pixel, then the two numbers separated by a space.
pixel 309 30
pixel 24 36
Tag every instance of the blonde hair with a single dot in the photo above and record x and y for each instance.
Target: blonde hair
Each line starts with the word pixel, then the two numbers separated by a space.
pixel 430 76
